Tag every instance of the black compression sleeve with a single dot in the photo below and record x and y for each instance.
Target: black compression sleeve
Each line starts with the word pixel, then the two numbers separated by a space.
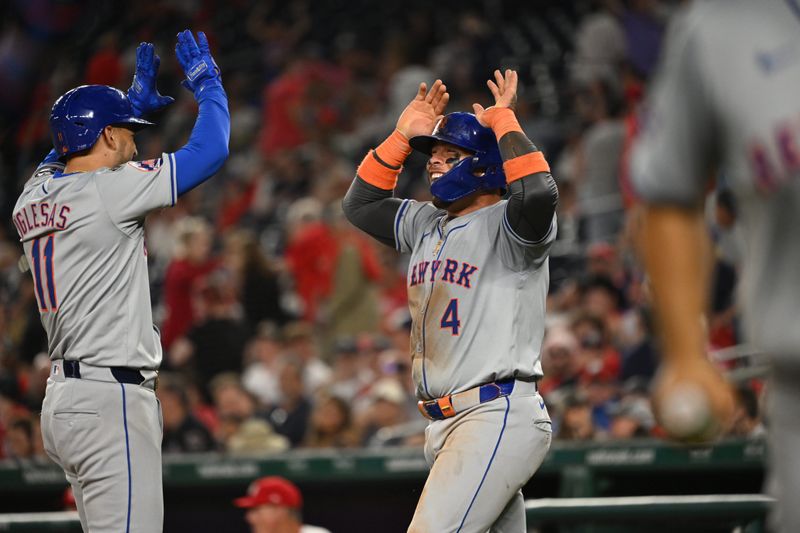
pixel 372 210
pixel 533 198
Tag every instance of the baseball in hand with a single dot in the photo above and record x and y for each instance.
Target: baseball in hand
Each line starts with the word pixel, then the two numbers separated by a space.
pixel 686 413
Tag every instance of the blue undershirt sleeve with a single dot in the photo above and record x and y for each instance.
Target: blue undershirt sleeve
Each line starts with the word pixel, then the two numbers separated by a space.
pixel 207 148
pixel 51 158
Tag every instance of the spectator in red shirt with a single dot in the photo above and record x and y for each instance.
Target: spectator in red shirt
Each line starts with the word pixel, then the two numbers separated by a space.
pixel 311 254
pixel 105 65
pixel 190 265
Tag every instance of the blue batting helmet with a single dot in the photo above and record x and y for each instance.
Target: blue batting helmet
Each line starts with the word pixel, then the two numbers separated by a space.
pixel 79 116
pixel 482 171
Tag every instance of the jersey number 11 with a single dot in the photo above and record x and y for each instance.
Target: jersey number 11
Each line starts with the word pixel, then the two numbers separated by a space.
pixel 44 254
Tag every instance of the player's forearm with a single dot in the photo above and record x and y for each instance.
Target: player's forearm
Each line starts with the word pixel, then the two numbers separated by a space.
pixel 207 148
pixel 383 165
pixel 534 195
pixel 372 210
pixel 677 257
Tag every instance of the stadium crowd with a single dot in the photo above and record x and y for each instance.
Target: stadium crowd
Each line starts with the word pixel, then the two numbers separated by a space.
pixel 282 325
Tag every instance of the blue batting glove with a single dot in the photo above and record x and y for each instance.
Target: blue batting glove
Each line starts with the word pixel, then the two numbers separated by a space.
pixel 195 58
pixel 143 93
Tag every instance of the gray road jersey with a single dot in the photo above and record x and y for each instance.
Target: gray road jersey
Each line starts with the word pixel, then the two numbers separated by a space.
pixel 477 296
pixel 727 97
pixel 83 236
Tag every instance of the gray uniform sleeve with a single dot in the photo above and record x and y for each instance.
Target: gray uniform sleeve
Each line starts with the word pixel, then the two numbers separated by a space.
pixel 514 251
pixel 131 191
pixel 672 160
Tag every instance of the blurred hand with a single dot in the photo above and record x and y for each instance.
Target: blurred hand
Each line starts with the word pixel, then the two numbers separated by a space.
pixel 424 111
pixel 692 401
pixel 504 90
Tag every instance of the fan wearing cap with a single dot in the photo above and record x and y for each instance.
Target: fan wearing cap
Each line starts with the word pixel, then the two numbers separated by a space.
pixel 274 506
pixel 477 283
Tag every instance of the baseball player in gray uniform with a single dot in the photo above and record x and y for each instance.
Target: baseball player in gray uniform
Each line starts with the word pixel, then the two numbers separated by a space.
pixel 726 99
pixel 80 219
pixel 477 283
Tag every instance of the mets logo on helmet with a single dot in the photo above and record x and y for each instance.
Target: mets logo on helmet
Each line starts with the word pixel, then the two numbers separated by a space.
pixel 148 165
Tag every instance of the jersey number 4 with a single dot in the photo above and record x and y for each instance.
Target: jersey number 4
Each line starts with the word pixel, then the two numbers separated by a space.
pixel 43 253
pixel 450 317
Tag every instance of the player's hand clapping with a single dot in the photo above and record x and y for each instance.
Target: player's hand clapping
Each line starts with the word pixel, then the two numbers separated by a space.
pixel 143 93
pixel 197 63
pixel 504 90
pixel 421 114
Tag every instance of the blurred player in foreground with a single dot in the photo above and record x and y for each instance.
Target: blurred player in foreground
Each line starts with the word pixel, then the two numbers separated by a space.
pixel 274 505
pixel 726 102
pixel 80 219
pixel 477 283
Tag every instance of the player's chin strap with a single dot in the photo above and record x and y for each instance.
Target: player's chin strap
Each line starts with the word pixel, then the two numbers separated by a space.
pixel 449 406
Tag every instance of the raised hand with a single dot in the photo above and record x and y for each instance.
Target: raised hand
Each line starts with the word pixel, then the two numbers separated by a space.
pixel 421 114
pixel 196 61
pixel 143 93
pixel 504 90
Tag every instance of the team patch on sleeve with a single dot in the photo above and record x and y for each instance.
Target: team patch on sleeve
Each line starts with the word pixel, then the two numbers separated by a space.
pixel 148 165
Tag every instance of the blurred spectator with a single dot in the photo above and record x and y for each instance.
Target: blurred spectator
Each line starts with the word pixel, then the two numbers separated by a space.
pixel 255 279
pixel 746 420
pixel 601 391
pixel 601 298
pixel 599 195
pixel 299 105
pixel 729 253
pixel 350 376
pixel 387 408
pixel 182 431
pixel 260 376
pixel 19 439
pixel 190 265
pixel 352 305
pixel 290 415
pixel 274 505
pixel 576 421
pixel 637 346
pixel 596 354
pixel 310 254
pixel 216 343
pixel 631 418
pixel 600 46
pixel 240 430
pixel 331 425
pixel 560 361
pixel 10 412
pixel 299 341
pixel 105 65
pixel 255 436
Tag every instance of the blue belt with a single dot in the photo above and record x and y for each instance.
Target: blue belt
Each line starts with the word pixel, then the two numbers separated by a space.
pixel 441 408
pixel 72 369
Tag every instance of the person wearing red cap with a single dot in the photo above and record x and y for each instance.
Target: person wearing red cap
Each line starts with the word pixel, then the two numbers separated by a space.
pixel 274 506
